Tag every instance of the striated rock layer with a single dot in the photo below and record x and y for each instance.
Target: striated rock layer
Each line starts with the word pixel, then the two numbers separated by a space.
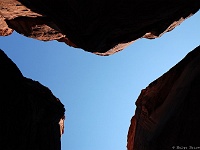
pixel 102 27
pixel 167 113
pixel 31 116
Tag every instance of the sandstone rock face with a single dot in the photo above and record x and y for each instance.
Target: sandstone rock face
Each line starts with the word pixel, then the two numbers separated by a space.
pixel 167 113
pixel 102 27
pixel 30 114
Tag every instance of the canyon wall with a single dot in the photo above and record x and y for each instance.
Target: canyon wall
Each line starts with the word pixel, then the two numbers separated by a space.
pixel 101 27
pixel 167 110
pixel 31 116
pixel 167 113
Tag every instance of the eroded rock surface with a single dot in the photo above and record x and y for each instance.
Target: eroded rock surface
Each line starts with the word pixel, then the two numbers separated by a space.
pixel 102 27
pixel 167 113
pixel 31 116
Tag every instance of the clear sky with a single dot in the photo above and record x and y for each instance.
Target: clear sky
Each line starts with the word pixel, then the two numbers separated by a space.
pixel 99 93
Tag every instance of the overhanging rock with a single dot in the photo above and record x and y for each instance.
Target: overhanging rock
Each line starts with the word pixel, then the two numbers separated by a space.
pixel 101 26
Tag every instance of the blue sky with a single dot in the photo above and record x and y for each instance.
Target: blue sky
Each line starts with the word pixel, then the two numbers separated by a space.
pixel 99 93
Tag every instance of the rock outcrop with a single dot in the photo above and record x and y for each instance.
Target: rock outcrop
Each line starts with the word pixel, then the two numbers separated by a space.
pixel 167 110
pixel 167 113
pixel 102 27
pixel 31 116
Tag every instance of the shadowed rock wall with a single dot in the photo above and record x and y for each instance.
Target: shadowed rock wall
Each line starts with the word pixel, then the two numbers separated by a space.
pixel 102 26
pixel 30 114
pixel 167 110
pixel 167 114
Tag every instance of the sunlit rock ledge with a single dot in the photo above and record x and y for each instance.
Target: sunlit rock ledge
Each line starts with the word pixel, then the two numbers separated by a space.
pixel 167 113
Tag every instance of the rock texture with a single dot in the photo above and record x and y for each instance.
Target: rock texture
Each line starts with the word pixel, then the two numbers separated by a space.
pixel 102 27
pixel 167 113
pixel 30 114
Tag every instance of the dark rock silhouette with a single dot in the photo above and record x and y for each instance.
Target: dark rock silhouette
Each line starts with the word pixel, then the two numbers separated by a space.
pixel 102 26
pixel 167 113
pixel 167 110
pixel 31 116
